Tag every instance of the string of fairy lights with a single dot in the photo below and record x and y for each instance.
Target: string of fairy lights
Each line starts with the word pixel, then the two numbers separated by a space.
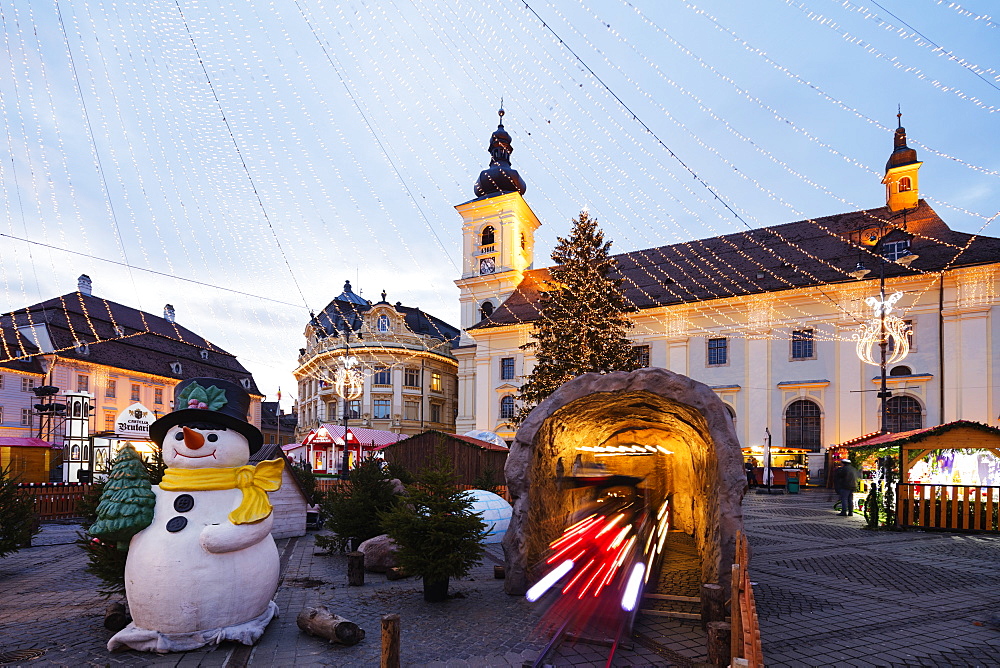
pixel 196 96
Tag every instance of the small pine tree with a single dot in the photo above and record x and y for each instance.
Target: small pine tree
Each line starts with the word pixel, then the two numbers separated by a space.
pixel 438 535
pixel 104 560
pixel 127 500
pixel 582 325
pixel 17 514
pixel 352 512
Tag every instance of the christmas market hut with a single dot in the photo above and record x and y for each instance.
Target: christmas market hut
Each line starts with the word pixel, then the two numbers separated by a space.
pixel 472 458
pixel 28 458
pixel 951 473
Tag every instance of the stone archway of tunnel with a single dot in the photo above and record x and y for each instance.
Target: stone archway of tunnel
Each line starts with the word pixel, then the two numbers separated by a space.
pixel 697 463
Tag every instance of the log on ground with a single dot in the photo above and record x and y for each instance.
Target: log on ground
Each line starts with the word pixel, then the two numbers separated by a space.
pixel 319 621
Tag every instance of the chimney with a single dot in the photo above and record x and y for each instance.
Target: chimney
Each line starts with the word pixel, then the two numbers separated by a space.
pixel 84 285
pixel 168 313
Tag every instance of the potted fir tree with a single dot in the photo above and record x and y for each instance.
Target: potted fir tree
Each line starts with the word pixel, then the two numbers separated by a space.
pixel 438 535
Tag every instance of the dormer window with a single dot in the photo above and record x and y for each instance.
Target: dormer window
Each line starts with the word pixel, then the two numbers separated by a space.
pixel 204 354
pixel 383 324
pixel 904 185
pixel 486 310
pixel 893 250
pixel 119 330
pixel 488 236
pixel 245 382
pixel 82 348
pixel 176 368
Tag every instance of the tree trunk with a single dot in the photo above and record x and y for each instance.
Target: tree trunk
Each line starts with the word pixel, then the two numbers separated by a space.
pixel 435 590
pixel 115 617
pixel 390 641
pixel 321 622
pixel 713 604
pixel 356 568
pixel 719 641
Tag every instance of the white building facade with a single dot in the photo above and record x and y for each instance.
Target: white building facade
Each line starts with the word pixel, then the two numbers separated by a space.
pixel 766 317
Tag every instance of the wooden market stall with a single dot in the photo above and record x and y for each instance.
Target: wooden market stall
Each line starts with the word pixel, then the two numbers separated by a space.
pixel 785 463
pixel 951 474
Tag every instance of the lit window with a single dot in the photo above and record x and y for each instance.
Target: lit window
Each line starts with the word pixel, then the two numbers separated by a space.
pixel 411 377
pixel 718 351
pixel 381 409
pixel 135 392
pixel 384 324
pixel 641 356
pixel 802 345
pixel 82 383
pixel 436 382
pixel 382 376
pixel 507 407
pixel 111 389
pixel 904 184
pixel 506 368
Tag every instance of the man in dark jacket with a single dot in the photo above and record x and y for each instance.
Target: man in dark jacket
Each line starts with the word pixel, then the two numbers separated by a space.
pixel 845 482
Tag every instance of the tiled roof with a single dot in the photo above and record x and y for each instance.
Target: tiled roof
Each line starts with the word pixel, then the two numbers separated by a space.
pixel 143 342
pixel 793 255
pixel 485 445
pixel 364 435
pixel 330 320
pixel 916 434
pixel 14 345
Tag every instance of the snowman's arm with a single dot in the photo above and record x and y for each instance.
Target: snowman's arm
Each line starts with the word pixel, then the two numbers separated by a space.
pixel 230 537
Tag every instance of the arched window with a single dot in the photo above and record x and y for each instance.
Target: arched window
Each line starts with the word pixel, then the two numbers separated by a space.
pixel 489 236
pixel 507 407
pixel 383 324
pixel 904 184
pixel 485 310
pixel 803 425
pixel 903 413
pixel 901 371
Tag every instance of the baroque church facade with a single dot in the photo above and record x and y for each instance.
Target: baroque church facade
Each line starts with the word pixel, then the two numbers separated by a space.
pixel 767 318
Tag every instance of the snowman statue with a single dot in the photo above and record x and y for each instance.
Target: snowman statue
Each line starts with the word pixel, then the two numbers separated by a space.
pixel 206 568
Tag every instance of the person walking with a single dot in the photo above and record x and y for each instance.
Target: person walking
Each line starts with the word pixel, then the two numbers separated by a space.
pixel 845 482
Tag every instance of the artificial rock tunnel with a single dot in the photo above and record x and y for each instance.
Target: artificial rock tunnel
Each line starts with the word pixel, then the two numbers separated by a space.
pixel 689 453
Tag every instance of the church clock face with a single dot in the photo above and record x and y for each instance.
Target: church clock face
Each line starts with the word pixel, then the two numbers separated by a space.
pixel 487 265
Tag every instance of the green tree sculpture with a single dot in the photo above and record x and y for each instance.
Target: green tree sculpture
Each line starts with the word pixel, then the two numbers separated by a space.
pixel 438 535
pixel 582 325
pixel 126 505
pixel 17 516
pixel 352 511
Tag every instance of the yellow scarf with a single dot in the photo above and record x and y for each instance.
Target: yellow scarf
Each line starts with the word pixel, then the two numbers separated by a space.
pixel 255 481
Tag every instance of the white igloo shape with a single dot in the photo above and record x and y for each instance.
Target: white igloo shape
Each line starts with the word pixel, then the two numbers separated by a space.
pixel 495 512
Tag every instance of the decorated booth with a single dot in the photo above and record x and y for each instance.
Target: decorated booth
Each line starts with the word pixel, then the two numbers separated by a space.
pixel 785 463
pixel 323 447
pixel 951 473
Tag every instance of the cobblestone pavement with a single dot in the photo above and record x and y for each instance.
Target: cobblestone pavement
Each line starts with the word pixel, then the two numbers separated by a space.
pixel 832 593
pixel 829 593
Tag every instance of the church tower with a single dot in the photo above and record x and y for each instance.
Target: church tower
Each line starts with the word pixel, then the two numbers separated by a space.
pixel 901 192
pixel 498 234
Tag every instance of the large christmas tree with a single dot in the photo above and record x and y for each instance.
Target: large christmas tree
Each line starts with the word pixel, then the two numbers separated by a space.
pixel 582 325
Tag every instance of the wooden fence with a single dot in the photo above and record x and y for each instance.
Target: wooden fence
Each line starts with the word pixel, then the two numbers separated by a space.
pixel 746 646
pixel 949 507
pixel 56 501
pixel 330 484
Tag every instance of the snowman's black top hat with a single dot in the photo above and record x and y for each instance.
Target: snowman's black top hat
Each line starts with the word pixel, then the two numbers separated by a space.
pixel 213 401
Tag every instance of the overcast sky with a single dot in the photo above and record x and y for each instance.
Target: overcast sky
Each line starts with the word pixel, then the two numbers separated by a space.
pixel 259 153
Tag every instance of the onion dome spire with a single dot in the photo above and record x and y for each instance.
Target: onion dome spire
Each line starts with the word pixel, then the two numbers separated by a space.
pixel 500 177
pixel 901 153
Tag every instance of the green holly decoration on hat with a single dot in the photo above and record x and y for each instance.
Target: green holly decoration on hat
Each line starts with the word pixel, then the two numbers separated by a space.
pixel 206 398
pixel 126 505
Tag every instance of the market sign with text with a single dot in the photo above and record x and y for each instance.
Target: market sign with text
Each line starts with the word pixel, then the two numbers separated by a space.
pixel 134 421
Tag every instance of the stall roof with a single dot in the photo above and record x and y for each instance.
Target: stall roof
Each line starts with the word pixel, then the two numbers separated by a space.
pixel 898 438
pixel 25 442
pixel 775 449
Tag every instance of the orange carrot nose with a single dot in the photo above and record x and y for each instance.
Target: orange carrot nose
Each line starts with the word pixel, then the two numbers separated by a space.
pixel 192 439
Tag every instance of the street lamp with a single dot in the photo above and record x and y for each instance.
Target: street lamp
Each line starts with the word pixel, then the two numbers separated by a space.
pixel 348 384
